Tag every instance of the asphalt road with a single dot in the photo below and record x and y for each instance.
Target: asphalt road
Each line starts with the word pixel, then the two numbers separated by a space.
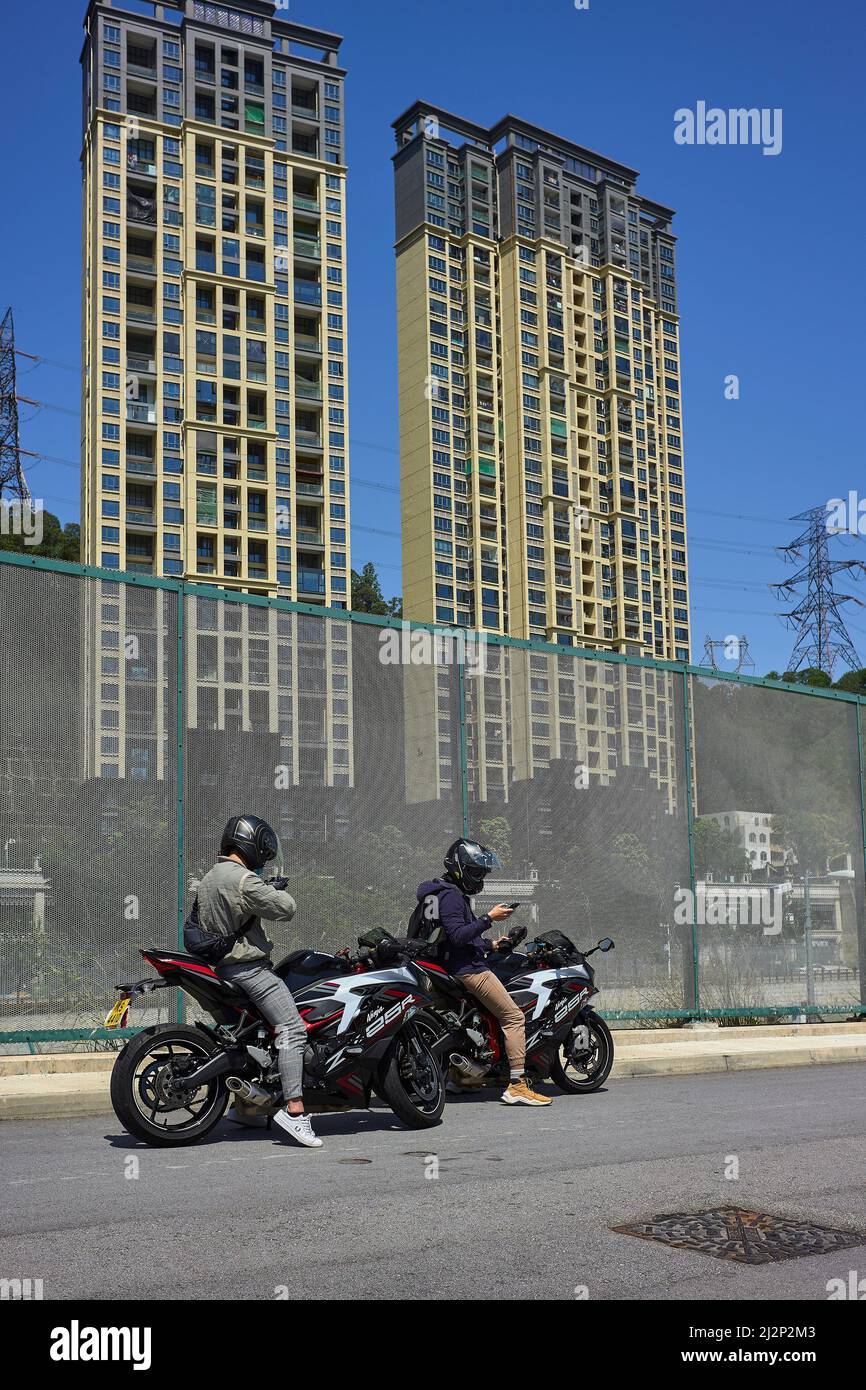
pixel 521 1208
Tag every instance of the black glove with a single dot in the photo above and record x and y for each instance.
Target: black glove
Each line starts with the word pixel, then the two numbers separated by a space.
pixel 281 884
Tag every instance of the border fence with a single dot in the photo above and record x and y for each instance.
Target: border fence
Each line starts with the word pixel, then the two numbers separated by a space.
pixel 714 824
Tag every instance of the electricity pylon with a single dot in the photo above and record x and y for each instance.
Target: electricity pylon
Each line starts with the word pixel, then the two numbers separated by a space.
pixel 822 637
pixel 12 481
pixel 735 649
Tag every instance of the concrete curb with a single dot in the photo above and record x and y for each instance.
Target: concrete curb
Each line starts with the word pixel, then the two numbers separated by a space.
pixel 715 1055
pixel 55 1086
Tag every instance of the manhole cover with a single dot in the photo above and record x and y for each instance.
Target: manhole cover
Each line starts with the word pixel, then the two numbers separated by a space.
pixel 354 1160
pixel 750 1237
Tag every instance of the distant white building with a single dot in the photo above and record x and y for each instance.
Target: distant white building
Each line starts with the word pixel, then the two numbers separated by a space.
pixel 754 834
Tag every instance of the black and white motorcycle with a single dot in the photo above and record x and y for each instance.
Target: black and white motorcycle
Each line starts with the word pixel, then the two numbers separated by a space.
pixel 171 1083
pixel 552 983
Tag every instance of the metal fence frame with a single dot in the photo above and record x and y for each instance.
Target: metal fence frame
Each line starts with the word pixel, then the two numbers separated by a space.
pixel 184 590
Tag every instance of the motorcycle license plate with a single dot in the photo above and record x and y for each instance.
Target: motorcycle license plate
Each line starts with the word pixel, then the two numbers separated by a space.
pixel 117 1017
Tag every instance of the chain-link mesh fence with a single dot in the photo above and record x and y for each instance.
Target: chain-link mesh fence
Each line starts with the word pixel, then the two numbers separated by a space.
pixel 714 828
pixel 88 790
pixel 778 839
pixel 577 778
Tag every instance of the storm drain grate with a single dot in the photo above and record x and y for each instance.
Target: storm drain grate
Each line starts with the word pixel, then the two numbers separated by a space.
pixel 750 1237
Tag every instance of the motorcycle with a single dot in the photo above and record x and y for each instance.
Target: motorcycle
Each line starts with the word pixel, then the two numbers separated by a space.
pixel 172 1082
pixel 552 982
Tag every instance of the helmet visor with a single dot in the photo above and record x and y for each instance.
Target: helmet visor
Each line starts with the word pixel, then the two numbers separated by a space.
pixel 480 857
pixel 272 850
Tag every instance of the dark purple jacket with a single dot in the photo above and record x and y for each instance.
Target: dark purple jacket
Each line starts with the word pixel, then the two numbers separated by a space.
pixel 467 947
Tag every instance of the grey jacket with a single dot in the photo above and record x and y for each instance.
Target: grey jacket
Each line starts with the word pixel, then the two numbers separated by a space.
pixel 228 895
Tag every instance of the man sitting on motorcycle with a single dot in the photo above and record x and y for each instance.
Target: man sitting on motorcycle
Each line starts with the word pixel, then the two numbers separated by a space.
pixel 232 900
pixel 468 864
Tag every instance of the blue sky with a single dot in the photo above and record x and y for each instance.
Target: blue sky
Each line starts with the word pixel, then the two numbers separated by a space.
pixel 771 287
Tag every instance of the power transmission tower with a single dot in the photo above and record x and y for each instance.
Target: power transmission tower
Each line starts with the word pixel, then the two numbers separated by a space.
pixel 12 480
pixel 822 637
pixel 735 649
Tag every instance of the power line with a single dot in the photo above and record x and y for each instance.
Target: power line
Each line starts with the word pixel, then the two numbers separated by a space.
pixel 39 361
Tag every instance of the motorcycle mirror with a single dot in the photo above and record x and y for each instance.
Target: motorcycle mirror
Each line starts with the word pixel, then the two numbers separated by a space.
pixel 606 944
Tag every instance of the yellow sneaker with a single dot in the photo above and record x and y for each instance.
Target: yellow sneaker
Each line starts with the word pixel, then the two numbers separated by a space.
pixel 521 1093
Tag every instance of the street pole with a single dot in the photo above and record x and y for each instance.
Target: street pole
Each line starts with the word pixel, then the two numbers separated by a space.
pixel 810 981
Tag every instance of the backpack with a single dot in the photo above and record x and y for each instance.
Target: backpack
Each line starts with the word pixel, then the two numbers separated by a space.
pixel 424 924
pixel 208 946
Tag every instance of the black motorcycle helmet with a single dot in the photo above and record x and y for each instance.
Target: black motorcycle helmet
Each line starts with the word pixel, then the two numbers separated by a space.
pixel 252 838
pixel 469 863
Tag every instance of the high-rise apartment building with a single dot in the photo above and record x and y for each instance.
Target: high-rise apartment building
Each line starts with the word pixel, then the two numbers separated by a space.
pixel 214 388
pixel 540 403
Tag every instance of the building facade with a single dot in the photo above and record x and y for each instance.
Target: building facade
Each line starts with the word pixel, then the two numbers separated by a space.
pixel 214 385
pixel 214 394
pixel 540 416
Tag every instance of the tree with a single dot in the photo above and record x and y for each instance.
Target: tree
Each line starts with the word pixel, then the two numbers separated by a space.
pixel 810 675
pixel 717 851
pixel 367 596
pixel 58 542
pixel 813 837
pixel 496 833
pixel 853 681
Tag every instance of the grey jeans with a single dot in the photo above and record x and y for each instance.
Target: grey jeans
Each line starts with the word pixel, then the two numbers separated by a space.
pixel 274 1001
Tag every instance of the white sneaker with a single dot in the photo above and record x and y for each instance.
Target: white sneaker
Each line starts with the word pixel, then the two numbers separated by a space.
pixel 299 1127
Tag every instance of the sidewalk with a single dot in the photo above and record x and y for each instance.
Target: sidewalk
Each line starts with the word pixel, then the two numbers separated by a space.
pixel 60 1085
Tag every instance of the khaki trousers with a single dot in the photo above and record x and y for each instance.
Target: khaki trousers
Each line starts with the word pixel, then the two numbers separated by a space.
pixel 491 992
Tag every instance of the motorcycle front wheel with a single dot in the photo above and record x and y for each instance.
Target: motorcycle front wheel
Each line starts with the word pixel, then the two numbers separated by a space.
pixel 580 1072
pixel 144 1094
pixel 411 1082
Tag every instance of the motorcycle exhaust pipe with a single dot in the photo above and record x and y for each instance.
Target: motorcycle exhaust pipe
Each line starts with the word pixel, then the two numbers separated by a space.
pixel 249 1092
pixel 217 1066
pixel 465 1067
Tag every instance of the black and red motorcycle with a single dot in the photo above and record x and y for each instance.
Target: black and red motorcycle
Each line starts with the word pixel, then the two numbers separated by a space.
pixel 172 1082
pixel 552 983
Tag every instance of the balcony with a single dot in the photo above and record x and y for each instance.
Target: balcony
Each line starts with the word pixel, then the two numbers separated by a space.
pixel 141 69
pixel 142 467
pixel 305 204
pixel 135 362
pixel 309 390
pixel 305 106
pixel 142 412
pixel 307 293
pixel 310 581
pixel 306 342
pixel 140 314
pixel 140 516
pixel 308 438
pixel 307 536
pixel 307 247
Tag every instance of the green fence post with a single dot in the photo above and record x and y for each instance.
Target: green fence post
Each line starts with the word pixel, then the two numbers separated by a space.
pixel 181 876
pixel 464 757
pixel 687 725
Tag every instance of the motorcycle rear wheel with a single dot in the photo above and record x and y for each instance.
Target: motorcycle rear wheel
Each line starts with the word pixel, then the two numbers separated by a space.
pixel 141 1087
pixel 595 1064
